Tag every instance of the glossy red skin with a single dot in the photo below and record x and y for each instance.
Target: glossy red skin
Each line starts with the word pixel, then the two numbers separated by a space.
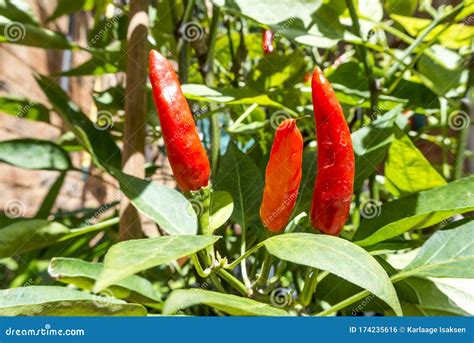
pixel 282 177
pixel 267 41
pixel 186 155
pixel 335 179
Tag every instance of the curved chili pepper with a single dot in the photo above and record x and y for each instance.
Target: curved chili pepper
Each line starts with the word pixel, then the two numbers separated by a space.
pixel 186 154
pixel 335 179
pixel 267 41
pixel 282 176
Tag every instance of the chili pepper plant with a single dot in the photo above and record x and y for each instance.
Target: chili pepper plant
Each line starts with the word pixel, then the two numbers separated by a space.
pixel 288 158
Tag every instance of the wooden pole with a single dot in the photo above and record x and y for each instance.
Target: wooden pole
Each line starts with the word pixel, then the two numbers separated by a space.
pixel 133 158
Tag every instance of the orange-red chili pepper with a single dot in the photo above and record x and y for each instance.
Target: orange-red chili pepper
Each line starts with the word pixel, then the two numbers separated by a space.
pixel 335 178
pixel 267 41
pixel 186 154
pixel 282 176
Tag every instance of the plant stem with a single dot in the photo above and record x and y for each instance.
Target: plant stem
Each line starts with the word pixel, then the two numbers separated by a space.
pixel 436 21
pixel 358 296
pixel 208 69
pixel 344 303
pixel 201 272
pixel 310 283
pixel 265 271
pixel 460 151
pixel 233 281
pixel 91 228
pixel 365 58
pixel 243 264
pixel 466 107
pixel 182 46
pixel 248 253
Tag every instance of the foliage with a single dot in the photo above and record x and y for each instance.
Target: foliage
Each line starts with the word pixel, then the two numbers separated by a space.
pixel 404 81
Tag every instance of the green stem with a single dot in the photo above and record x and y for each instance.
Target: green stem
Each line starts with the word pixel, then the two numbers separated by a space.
pixel 466 107
pixel 310 283
pixel 243 263
pixel 460 151
pixel 182 46
pixel 233 281
pixel 436 21
pixel 374 187
pixel 242 257
pixel 349 301
pixel 96 227
pixel 208 69
pixel 443 107
pixel 365 58
pixel 265 271
pixel 358 296
pixel 201 272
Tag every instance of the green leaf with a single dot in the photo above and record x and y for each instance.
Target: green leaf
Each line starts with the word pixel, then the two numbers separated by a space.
pixel 448 253
pixel 230 304
pixel 430 300
pixel 312 23
pixel 18 10
pixel 130 257
pixel 28 235
pixel 452 36
pixel 34 154
pixel 167 207
pixel 420 98
pixel 407 170
pixel 48 202
pixel 221 209
pixel 442 74
pixel 62 301
pixel 23 108
pixel 231 96
pixel 66 7
pixel 239 176
pixel 96 141
pixel 305 192
pixel 95 67
pixel 417 211
pixel 83 274
pixel 16 32
pixel 278 70
pixel 371 144
pixel 337 256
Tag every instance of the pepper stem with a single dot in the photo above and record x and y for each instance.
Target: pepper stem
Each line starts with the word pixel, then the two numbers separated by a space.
pixel 310 284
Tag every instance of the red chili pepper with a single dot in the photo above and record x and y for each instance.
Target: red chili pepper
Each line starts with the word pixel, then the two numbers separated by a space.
pixel 186 154
pixel 267 41
pixel 282 177
pixel 335 179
